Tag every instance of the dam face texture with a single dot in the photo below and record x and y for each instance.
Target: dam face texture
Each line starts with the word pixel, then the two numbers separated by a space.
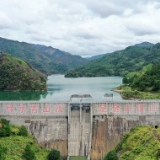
pixel 88 129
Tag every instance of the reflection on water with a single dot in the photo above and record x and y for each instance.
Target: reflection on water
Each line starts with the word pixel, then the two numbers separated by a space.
pixel 22 95
pixel 61 88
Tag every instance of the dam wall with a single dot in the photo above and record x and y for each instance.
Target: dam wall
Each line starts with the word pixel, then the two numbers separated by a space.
pixel 46 121
pixel 108 131
pixel 90 131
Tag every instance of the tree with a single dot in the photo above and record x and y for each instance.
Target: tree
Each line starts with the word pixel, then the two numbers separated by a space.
pixel 2 151
pixel 112 155
pixel 2 132
pixel 4 121
pixel 29 154
pixel 54 155
pixel 8 130
pixel 23 131
pixel 125 80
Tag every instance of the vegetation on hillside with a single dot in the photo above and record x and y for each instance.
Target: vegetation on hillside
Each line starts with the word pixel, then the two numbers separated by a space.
pixel 144 85
pixel 128 93
pixel 54 155
pixel 17 144
pixel 32 55
pixel 141 143
pixel 15 74
pixel 112 155
pixel 143 44
pixel 59 62
pixel 149 81
pixel 131 59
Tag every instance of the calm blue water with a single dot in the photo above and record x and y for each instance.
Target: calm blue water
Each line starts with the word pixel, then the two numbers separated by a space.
pixel 61 88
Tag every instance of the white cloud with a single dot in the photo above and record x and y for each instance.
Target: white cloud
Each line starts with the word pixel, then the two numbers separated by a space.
pixel 83 27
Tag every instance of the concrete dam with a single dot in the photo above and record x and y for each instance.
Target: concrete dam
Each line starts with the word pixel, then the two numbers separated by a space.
pixel 89 129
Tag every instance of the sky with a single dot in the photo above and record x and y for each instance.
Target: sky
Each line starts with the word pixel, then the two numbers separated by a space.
pixel 81 27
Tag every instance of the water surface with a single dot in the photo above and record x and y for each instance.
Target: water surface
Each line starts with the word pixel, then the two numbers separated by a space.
pixel 61 88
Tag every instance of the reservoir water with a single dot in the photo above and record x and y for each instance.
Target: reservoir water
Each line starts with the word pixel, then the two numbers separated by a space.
pixel 61 88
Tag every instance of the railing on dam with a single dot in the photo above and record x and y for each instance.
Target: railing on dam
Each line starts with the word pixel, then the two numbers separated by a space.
pixel 29 108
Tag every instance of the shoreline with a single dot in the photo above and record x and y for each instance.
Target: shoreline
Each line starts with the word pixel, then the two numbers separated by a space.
pixel 121 91
pixel 23 90
pixel 118 90
pixel 143 94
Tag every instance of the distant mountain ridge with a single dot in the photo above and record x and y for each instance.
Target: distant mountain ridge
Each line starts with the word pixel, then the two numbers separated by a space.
pixel 50 60
pixel 120 63
pixel 41 58
pixel 143 44
pixel 95 57
pixel 61 56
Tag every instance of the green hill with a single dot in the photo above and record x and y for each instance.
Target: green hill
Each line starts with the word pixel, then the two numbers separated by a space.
pixel 32 55
pixel 142 85
pixel 144 44
pixel 15 74
pixel 149 81
pixel 141 143
pixel 120 63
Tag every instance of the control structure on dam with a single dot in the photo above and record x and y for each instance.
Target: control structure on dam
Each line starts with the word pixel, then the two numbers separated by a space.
pixel 80 127
pixel 75 127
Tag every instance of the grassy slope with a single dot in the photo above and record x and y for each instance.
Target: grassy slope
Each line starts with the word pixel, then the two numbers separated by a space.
pixel 141 143
pixel 131 59
pixel 16 145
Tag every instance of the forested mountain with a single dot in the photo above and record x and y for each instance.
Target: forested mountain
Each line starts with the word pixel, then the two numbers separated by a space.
pixel 143 44
pixel 46 59
pixel 60 56
pixel 17 75
pixel 99 56
pixel 32 55
pixel 131 59
pixel 95 57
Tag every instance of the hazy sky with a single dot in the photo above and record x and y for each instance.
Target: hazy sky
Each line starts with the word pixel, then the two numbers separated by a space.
pixel 82 27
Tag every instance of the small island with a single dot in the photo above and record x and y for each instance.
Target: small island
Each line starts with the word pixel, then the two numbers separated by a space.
pixel 18 75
